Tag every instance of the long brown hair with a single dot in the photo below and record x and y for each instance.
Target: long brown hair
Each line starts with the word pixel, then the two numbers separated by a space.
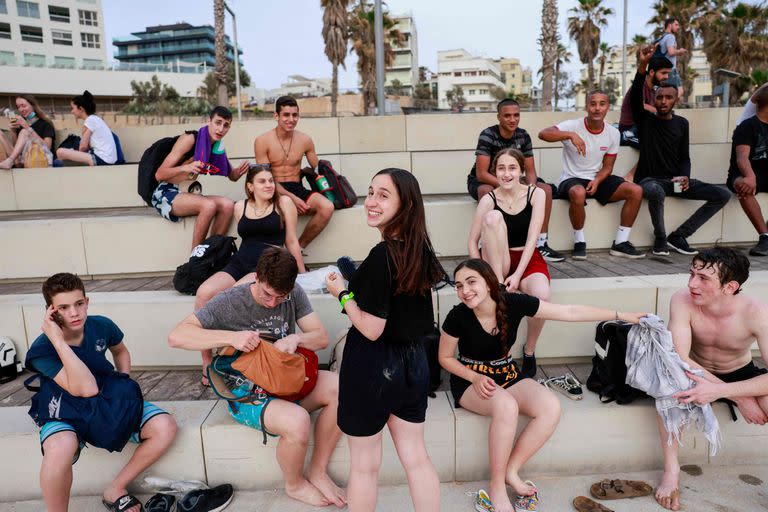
pixel 35 107
pixel 514 153
pixel 275 201
pixel 416 266
pixel 486 272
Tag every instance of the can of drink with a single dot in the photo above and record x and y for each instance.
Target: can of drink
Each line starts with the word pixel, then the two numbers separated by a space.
pixel 677 185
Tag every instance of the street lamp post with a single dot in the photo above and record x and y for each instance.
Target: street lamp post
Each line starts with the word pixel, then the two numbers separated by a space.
pixel 237 63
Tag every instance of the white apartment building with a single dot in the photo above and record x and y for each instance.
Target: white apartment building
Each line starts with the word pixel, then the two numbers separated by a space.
pixel 300 85
pixel 477 76
pixel 65 34
pixel 405 67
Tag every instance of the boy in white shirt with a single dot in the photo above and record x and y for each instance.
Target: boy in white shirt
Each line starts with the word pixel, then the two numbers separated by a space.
pixel 590 147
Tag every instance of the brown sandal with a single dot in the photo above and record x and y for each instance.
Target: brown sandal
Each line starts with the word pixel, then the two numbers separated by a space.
pixel 618 489
pixel 584 504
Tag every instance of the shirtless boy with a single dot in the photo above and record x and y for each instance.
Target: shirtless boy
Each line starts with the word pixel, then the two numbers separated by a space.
pixel 713 327
pixel 283 148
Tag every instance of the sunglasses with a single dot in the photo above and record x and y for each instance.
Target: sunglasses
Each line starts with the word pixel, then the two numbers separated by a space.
pixel 208 168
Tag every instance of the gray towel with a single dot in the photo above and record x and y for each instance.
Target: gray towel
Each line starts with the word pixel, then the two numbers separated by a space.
pixel 654 367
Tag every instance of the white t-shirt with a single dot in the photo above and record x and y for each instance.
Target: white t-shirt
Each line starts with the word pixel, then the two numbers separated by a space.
pixel 102 142
pixel 750 110
pixel 598 145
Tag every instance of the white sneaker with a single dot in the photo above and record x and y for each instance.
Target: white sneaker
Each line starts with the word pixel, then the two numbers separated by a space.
pixel 566 384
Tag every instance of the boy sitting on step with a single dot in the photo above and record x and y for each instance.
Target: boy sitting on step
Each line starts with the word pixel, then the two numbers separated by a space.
pixel 70 358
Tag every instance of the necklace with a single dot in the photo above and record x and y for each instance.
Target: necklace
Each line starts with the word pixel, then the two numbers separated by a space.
pixel 258 213
pixel 290 144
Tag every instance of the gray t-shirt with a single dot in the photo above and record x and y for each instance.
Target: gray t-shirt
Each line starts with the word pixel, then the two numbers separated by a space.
pixel 236 310
pixel 667 41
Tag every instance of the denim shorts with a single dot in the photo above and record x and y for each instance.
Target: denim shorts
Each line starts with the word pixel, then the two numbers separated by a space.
pixel 54 427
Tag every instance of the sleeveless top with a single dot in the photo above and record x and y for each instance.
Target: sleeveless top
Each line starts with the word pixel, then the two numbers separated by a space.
pixel 517 224
pixel 259 232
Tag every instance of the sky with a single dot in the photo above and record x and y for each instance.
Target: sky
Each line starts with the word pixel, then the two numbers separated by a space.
pixel 283 37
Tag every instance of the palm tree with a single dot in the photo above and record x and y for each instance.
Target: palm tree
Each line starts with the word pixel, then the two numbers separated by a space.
pixel 335 35
pixel 549 43
pixel 563 56
pixel 637 43
pixel 221 51
pixel 584 28
pixel 361 33
pixel 605 52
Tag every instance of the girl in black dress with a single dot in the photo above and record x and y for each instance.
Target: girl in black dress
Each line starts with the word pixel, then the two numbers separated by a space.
pixel 384 373
pixel 487 381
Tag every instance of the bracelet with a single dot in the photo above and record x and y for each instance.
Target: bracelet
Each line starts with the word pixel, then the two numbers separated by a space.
pixel 342 293
pixel 345 298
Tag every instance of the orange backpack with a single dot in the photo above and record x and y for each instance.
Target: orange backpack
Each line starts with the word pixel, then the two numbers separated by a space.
pixel 35 156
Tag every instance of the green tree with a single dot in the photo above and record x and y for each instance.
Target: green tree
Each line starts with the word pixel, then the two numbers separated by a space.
pixel 612 86
pixel 336 36
pixel 759 77
pixel 395 88
pixel 455 97
pixel 155 97
pixel 498 92
pixel 563 56
pixel 210 88
pixel 548 42
pixel 605 53
pixel 588 17
pixel 361 33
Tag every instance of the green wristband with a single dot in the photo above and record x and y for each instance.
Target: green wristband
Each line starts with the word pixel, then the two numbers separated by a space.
pixel 346 297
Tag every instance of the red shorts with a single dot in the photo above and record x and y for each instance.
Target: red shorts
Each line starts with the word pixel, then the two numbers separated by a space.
pixel 536 265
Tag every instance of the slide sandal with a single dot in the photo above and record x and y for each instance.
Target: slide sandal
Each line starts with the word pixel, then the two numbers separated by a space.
pixel 584 504
pixel 619 489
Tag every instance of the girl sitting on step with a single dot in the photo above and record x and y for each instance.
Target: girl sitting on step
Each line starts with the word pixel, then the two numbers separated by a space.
pixel 487 381
pixel 508 220
pixel 265 219
pixel 29 127
pixel 97 144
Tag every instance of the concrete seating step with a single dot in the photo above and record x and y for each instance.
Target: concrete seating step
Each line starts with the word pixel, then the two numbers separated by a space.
pixel 591 438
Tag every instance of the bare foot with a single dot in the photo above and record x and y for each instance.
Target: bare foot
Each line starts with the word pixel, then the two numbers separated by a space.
pixel 517 484
pixel 112 494
pixel 500 498
pixel 6 164
pixel 307 493
pixel 668 491
pixel 332 492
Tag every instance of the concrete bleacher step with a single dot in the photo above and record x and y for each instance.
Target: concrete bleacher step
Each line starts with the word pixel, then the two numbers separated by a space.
pixel 591 438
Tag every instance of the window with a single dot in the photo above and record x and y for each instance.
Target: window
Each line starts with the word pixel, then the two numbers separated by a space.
pixel 90 40
pixel 64 62
pixel 7 59
pixel 457 73
pixel 93 64
pixel 471 92
pixel 482 91
pixel 27 9
pixel 3 7
pixel 34 60
pixel 89 18
pixel 62 37
pixel 5 30
pixel 58 13
pixel 31 34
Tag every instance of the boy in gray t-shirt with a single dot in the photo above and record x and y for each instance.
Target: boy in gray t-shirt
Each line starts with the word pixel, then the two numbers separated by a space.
pixel 272 305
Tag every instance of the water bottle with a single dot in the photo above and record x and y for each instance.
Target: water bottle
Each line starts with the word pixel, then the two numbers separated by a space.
pixel 323 186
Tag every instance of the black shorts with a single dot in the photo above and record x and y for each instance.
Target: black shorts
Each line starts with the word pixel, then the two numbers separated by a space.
pixel 473 185
pixel 296 188
pixel 378 379
pixel 762 182
pixel 629 136
pixel 604 191
pixel 746 372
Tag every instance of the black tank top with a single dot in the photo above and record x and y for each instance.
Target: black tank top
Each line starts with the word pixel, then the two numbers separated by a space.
pixel 517 224
pixel 256 233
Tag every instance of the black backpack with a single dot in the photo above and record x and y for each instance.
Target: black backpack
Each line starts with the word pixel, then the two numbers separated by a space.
pixel 207 258
pixel 431 345
pixel 150 161
pixel 609 370
pixel 343 194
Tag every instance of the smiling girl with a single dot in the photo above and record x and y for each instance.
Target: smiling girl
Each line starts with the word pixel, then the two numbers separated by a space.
pixel 29 126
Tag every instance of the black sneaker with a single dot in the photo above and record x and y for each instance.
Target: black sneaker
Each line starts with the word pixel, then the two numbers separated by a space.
pixel 529 365
pixel 626 250
pixel 346 266
pixel 550 254
pixel 660 247
pixel 761 249
pixel 579 251
pixel 680 244
pixel 206 500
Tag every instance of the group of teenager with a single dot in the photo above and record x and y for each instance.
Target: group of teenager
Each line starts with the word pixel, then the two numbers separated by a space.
pixel 384 374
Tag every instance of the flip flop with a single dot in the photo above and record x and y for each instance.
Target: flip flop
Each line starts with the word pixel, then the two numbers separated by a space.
pixel 584 504
pixel 123 503
pixel 160 503
pixel 619 489
pixel 527 503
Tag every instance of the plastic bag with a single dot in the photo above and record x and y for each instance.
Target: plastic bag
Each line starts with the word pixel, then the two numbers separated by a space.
pixel 314 281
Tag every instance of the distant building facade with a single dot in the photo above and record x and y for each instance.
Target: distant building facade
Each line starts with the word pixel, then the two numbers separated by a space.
pixel 170 45
pixel 405 67
pixel 302 87
pixel 516 78
pixel 477 76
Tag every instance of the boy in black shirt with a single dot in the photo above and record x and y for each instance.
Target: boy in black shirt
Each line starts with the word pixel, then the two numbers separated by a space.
pixel 665 161
pixel 508 134
pixel 748 173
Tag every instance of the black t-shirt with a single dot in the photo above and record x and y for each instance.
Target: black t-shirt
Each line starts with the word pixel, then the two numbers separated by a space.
pixel 43 129
pixel 664 151
pixel 409 317
pixel 474 342
pixel 491 142
pixel 753 133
